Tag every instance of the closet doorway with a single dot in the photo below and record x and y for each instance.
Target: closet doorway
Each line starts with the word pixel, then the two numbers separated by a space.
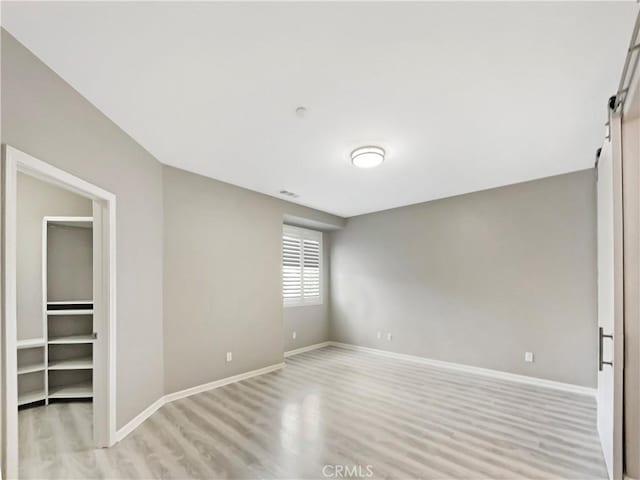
pixel 58 346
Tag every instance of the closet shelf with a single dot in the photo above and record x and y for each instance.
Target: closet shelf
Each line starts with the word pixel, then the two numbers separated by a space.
pixel 72 339
pixel 30 397
pixel 30 343
pixel 70 302
pixel 71 364
pixel 73 390
pixel 69 312
pixel 31 368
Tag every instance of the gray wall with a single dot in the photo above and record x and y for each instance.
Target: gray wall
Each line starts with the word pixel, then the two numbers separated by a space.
pixel 36 200
pixel 222 279
pixel 69 263
pixel 43 116
pixel 477 279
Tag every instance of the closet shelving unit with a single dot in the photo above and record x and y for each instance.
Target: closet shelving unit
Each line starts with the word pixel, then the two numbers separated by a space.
pixel 60 365
pixel 32 370
pixel 78 360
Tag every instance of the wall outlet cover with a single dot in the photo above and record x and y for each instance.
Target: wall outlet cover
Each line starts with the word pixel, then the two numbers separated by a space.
pixel 229 356
pixel 294 334
pixel 389 336
pixel 528 356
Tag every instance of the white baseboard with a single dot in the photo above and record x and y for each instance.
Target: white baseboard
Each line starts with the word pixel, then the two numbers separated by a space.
pixel 308 348
pixel 138 419
pixel 220 383
pixel 153 408
pixel 540 382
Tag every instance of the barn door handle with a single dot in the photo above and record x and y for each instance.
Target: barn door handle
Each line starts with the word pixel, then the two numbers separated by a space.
pixel 601 338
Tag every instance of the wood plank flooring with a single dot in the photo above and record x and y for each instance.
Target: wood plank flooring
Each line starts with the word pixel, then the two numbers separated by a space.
pixel 333 413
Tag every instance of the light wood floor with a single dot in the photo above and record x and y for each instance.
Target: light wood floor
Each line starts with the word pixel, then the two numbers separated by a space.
pixel 333 407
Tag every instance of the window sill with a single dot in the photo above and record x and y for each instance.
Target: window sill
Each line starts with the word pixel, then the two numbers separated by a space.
pixel 294 305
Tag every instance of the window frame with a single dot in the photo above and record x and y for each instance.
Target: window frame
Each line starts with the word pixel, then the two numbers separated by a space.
pixel 303 234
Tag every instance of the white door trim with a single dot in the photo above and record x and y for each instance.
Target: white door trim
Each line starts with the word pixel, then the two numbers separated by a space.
pixel 15 161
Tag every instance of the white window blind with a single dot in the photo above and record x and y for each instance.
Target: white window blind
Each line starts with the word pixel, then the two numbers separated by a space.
pixel 301 266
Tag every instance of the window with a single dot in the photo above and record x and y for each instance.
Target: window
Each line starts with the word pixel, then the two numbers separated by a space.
pixel 301 266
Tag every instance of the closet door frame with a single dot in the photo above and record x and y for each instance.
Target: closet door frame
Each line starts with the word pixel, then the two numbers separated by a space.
pixel 104 202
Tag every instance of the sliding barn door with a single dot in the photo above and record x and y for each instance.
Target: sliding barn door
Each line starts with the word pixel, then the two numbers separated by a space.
pixel 610 300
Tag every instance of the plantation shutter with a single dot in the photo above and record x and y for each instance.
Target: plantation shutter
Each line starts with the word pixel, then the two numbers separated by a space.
pixel 291 271
pixel 301 266
pixel 311 270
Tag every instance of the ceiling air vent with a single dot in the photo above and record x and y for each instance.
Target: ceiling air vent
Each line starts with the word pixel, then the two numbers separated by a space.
pixel 289 194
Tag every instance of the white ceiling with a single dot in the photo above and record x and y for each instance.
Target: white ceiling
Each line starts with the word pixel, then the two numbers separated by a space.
pixel 463 96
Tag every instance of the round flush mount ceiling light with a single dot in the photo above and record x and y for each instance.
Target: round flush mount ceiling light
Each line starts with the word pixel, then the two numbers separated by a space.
pixel 367 157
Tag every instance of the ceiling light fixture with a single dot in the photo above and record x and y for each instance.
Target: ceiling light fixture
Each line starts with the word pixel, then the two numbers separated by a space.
pixel 367 157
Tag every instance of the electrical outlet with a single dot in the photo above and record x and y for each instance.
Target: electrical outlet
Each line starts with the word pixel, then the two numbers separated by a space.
pixel 389 336
pixel 294 335
pixel 229 356
pixel 528 356
pixel 379 335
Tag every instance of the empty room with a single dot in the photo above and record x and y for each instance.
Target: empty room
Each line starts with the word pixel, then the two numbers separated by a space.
pixel 320 240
